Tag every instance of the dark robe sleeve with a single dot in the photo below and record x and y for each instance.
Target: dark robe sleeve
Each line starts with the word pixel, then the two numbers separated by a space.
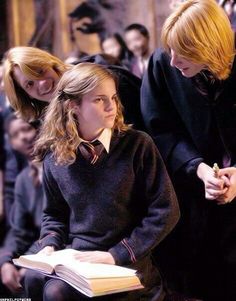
pixel 161 117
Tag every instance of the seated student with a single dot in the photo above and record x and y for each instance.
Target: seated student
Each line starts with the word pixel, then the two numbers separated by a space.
pixel 15 162
pixel 2 164
pixel 4 111
pixel 26 213
pixel 31 75
pixel 112 201
pixel 2 151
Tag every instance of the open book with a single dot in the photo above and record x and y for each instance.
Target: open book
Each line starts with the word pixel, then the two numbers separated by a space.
pixel 91 279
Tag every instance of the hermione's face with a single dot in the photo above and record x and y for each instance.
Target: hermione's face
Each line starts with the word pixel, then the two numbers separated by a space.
pixel 41 89
pixel 185 66
pixel 97 110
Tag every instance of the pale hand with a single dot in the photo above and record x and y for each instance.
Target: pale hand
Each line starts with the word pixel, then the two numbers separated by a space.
pixel 11 277
pixel 229 174
pixel 215 187
pixel 95 257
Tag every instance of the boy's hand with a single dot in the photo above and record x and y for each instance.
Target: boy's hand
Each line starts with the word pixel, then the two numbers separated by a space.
pixel 229 176
pixel 215 187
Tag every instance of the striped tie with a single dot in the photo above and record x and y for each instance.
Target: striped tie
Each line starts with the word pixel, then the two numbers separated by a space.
pixel 91 151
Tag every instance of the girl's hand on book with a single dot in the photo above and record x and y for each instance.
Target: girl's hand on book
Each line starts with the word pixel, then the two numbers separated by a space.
pixel 95 257
pixel 47 250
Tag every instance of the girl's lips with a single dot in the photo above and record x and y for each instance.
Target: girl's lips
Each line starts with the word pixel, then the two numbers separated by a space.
pixel 111 116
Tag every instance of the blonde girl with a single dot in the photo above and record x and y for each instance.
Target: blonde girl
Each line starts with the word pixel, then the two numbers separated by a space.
pixel 30 78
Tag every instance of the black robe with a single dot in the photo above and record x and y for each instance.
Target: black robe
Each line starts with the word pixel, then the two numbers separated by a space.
pixel 193 120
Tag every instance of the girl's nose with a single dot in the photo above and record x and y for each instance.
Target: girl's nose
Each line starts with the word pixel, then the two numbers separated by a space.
pixel 21 135
pixel 43 85
pixel 110 105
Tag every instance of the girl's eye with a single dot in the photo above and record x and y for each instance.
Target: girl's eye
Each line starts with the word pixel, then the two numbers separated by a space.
pixel 40 71
pixel 26 129
pixel 29 84
pixel 115 97
pixel 99 99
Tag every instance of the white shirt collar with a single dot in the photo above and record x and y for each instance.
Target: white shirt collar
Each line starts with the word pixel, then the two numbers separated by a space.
pixel 104 138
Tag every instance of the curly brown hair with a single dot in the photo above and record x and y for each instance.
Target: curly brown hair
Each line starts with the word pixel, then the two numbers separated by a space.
pixel 59 132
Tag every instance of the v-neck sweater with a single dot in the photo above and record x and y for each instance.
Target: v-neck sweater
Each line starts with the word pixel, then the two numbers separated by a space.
pixel 124 203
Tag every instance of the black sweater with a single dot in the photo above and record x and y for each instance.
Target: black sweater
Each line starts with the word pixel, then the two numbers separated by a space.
pixel 124 203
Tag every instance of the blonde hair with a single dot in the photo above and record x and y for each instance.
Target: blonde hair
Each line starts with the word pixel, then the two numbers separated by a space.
pixel 59 132
pixel 200 31
pixel 31 62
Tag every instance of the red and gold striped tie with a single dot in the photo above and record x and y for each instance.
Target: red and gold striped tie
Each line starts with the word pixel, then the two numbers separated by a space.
pixel 91 151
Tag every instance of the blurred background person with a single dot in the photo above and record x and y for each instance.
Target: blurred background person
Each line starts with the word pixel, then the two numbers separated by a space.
pixel 230 8
pixel 2 151
pixel 137 40
pixel 114 45
pixel 8 159
pixel 74 57
pixel 173 4
pixel 26 210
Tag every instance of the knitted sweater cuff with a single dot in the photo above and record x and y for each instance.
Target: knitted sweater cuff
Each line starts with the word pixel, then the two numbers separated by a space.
pixel 123 253
pixel 50 240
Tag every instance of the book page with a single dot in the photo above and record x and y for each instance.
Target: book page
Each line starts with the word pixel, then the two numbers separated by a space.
pixel 98 270
pixel 57 257
pixel 66 258
pixel 45 263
